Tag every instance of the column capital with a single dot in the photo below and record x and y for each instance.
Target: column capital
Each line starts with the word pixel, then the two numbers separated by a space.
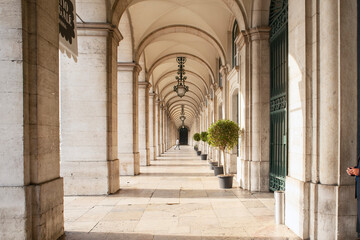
pixel 258 33
pixel 129 66
pixel 224 70
pixel 99 29
pixel 144 84
pixel 137 68
pixel 242 39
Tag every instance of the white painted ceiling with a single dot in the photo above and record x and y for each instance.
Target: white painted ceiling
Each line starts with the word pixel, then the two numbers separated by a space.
pixel 209 16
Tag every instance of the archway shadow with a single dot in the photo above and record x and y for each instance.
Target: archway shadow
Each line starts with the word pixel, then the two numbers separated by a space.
pixel 143 236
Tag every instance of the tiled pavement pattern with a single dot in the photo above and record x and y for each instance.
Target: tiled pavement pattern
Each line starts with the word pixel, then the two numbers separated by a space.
pixel 177 197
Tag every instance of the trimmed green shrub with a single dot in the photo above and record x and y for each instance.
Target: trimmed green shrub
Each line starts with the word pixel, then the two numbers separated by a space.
pixel 204 136
pixel 223 134
pixel 196 137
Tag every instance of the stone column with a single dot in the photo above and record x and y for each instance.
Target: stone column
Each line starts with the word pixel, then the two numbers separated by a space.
pixel 143 123
pixel 243 173
pixel 89 150
pixel 158 125
pixel 337 119
pixel 31 189
pixel 127 155
pixel 136 120
pixel 260 90
pixel 225 92
pixel 209 124
pixel 152 126
pixel 162 129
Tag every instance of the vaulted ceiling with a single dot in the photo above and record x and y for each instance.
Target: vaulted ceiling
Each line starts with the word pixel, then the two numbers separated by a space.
pixel 199 30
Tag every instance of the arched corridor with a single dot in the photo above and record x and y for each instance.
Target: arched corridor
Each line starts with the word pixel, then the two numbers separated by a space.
pixel 177 197
pixel 93 94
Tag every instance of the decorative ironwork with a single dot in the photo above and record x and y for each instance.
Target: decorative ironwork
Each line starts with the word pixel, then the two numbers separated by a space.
pixel 181 88
pixel 278 18
pixel 182 116
pixel 277 182
pixel 278 103
pixel 278 21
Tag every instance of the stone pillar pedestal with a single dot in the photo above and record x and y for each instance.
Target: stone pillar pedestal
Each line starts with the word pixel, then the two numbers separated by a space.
pixel 152 126
pixel 89 161
pixel 243 165
pixel 129 163
pixel 31 189
pixel 143 118
pixel 158 126
pixel 162 145
pixel 260 103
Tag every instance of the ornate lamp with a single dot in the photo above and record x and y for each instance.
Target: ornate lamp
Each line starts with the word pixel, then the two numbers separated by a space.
pixel 181 88
pixel 182 117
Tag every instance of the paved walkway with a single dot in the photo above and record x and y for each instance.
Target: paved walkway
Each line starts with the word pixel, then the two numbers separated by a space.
pixel 177 197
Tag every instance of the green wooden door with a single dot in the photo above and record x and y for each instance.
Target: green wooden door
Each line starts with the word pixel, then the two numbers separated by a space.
pixel 278 93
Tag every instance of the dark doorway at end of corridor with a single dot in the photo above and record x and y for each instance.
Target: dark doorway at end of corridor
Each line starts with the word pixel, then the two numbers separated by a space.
pixel 183 133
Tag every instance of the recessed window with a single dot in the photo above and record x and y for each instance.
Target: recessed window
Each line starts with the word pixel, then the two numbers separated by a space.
pixel 235 34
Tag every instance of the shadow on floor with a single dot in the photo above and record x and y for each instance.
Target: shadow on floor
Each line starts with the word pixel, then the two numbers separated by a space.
pixel 139 236
pixel 177 165
pixel 175 193
pixel 171 174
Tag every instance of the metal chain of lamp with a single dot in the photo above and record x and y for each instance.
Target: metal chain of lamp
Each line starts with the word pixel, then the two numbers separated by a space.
pixel 182 117
pixel 181 88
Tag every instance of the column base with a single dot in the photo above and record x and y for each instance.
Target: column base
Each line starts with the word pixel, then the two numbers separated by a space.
pixel 319 211
pixel 158 151
pixel 243 174
pixel 232 161
pixel 86 178
pixel 143 160
pixel 114 176
pixel 152 153
pixel 259 176
pixel 147 156
pixel 127 164
pixel 297 206
pixel 32 212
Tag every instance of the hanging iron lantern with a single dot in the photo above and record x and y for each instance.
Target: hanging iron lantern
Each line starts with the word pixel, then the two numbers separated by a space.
pixel 181 88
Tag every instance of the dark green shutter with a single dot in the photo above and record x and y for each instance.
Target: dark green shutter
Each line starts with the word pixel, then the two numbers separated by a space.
pixel 278 93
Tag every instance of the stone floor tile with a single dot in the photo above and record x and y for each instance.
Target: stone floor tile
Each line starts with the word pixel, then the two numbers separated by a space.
pixel 177 197
pixel 253 203
pixel 95 214
pixel 115 226
pixel 72 215
pixel 129 236
pixel 261 212
pixel 152 225
pixel 77 226
pixel 83 236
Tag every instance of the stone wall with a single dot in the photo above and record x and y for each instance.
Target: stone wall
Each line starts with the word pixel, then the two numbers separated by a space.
pixel 31 190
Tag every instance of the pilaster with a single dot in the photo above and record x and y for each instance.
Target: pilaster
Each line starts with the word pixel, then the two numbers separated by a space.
pixel 31 189
pixel 143 112
pixel 152 126
pixel 260 108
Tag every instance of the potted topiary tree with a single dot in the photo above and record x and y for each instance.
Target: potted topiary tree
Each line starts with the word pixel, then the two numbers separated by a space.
pixel 214 163
pixel 203 137
pixel 196 138
pixel 224 134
